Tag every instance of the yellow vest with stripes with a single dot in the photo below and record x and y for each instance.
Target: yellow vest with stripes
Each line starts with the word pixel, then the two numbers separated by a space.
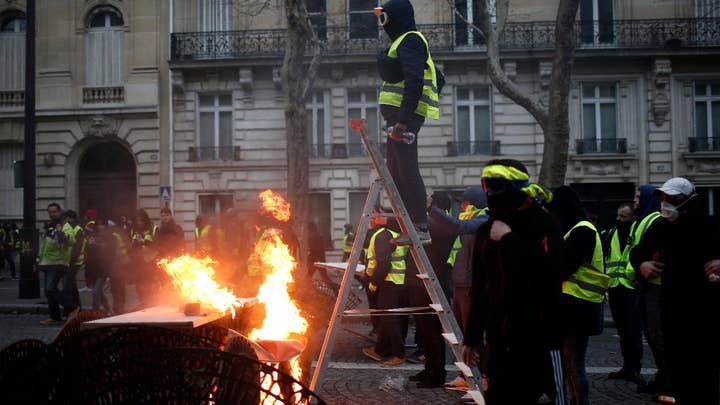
pixel 347 247
pixel 617 263
pixel 397 259
pixel 392 93
pixel 589 282
pixel 636 232
pixel 469 213
pixel 122 254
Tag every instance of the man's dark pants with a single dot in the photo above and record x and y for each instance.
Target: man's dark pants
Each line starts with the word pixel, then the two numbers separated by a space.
pixel 430 329
pixel 390 340
pixel 53 275
pixel 402 162
pixel 625 310
pixel 71 295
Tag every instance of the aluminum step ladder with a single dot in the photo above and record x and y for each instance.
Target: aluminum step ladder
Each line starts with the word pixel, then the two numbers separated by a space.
pixel 439 303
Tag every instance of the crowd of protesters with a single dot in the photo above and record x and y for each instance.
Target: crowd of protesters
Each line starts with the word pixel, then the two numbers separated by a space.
pixel 528 272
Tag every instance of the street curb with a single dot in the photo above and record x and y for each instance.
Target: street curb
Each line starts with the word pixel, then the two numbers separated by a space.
pixel 24 309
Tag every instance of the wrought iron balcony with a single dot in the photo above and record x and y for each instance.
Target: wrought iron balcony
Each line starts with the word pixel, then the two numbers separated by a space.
pixel 12 98
pixel 473 148
pixel 341 150
pixel 518 36
pixel 704 144
pixel 608 145
pixel 208 153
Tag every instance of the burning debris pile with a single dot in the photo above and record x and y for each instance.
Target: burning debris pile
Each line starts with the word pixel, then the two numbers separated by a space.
pixel 194 279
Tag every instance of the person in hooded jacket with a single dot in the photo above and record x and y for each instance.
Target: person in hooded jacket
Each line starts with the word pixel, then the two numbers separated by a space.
pixel 647 215
pixel 409 94
pixel 584 286
pixel 463 229
pixel 514 320
pixel 683 249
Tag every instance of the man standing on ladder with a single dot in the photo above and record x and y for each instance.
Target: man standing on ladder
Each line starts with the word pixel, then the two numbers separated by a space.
pixel 409 94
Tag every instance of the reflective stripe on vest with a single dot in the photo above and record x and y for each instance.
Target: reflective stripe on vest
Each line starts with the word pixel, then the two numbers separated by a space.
pixel 637 231
pixel 616 263
pixel 589 282
pixel 392 93
pixel 397 259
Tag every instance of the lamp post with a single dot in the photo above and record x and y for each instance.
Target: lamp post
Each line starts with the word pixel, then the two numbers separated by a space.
pixel 29 285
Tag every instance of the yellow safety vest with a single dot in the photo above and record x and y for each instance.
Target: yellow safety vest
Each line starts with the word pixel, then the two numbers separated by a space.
pixel 616 263
pixel 469 213
pixel 148 254
pixel 636 232
pixel 80 260
pixel 589 282
pixel 255 266
pixel 202 239
pixel 347 248
pixel 392 93
pixel 397 259
pixel 122 253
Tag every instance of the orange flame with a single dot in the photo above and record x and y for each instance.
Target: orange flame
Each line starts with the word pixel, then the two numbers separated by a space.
pixel 275 205
pixel 282 316
pixel 193 278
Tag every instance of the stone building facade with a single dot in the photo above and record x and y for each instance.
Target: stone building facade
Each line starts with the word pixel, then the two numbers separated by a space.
pixel 644 102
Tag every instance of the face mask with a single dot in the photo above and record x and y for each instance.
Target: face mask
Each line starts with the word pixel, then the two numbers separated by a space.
pixel 669 211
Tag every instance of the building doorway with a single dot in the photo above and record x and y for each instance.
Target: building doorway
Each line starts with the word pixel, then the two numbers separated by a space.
pixel 107 176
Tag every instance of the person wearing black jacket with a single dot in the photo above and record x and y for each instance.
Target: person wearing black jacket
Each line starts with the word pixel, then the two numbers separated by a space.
pixel 406 99
pixel 582 318
pixel 170 237
pixel 683 248
pixel 515 292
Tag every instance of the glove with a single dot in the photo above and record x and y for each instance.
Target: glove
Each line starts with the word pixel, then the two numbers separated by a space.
pixel 372 287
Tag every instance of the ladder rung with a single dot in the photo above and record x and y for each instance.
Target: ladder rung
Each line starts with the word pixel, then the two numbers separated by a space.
pixel 384 214
pixel 451 338
pixel 437 307
pixel 422 276
pixel 464 368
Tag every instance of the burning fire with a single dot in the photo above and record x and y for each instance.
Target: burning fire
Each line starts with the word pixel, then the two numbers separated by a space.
pixel 275 205
pixel 193 278
pixel 282 317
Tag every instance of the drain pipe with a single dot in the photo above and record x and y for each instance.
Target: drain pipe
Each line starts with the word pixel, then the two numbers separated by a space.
pixel 171 140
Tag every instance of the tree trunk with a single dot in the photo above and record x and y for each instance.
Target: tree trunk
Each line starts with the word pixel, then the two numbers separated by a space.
pixel 557 131
pixel 297 80
pixel 554 121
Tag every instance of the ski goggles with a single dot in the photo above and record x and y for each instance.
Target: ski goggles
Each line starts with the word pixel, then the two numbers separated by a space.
pixel 382 16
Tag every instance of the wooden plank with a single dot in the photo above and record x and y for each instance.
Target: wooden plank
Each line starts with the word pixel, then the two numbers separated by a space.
pixel 339 266
pixel 165 316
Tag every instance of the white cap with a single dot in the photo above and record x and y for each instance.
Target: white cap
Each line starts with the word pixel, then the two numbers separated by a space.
pixel 677 186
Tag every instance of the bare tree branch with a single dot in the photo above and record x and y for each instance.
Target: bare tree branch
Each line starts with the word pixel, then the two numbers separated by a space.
pixel 497 74
pixel 502 9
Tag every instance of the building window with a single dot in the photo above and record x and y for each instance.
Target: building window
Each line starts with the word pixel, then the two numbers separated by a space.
pixel 363 104
pixel 465 33
pixel 215 127
pixel 473 126
pixel 104 60
pixel 318 124
pixel 12 49
pixel 710 199
pixel 363 23
pixel 11 198
pixel 317 12
pixel 707 117
pixel 214 204
pixel 356 203
pixel 596 21
pixel 599 119
pixel 214 15
pixel 320 215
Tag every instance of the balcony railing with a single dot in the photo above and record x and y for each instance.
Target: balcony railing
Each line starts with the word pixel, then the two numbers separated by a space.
pixel 208 153
pixel 341 150
pixel 103 95
pixel 540 35
pixel 12 98
pixel 608 145
pixel 704 144
pixel 473 148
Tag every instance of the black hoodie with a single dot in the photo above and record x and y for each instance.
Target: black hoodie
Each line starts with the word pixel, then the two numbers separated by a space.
pixel 412 54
